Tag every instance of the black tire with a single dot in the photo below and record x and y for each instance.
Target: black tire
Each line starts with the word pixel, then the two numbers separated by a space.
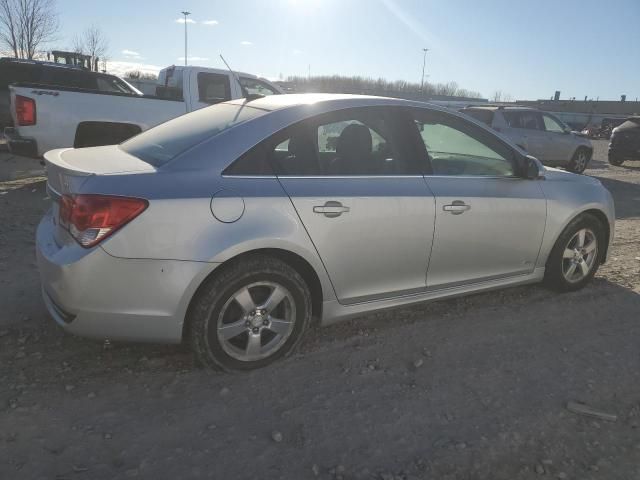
pixel 615 160
pixel 580 160
pixel 217 293
pixel 554 276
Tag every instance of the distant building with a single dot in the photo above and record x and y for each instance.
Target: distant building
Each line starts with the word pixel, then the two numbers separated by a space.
pixel 579 113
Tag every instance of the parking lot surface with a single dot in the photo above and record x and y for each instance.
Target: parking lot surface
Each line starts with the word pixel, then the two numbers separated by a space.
pixel 469 388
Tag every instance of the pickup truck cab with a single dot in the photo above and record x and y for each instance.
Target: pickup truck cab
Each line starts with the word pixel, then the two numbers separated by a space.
pixel 48 117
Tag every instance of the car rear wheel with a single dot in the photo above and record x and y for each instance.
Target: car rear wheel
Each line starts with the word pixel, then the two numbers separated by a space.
pixel 579 161
pixel 250 314
pixel 576 256
pixel 615 160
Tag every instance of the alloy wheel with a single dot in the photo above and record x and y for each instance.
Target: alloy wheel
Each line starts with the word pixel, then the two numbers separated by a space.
pixel 580 161
pixel 256 321
pixel 579 255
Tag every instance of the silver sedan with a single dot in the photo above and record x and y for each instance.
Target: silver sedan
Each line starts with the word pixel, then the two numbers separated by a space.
pixel 237 227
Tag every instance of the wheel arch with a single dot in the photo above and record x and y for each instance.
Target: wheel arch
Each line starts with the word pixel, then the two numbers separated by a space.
pixel 602 217
pixel 294 260
pixel 598 214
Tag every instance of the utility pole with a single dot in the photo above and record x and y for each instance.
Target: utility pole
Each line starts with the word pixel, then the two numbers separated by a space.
pixel 424 64
pixel 185 13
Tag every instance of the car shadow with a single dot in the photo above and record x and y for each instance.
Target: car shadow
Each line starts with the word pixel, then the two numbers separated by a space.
pixel 626 196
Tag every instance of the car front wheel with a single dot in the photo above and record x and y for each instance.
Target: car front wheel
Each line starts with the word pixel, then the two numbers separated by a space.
pixel 576 255
pixel 250 314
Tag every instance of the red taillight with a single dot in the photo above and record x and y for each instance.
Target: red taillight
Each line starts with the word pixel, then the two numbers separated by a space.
pixel 92 218
pixel 25 111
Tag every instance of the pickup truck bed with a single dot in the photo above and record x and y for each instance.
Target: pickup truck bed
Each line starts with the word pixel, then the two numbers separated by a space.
pixel 49 117
pixel 109 113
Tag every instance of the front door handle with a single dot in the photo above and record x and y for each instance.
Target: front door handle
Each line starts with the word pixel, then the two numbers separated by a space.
pixel 457 207
pixel 331 209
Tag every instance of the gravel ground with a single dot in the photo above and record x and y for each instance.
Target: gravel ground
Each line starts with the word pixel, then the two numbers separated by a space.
pixel 474 388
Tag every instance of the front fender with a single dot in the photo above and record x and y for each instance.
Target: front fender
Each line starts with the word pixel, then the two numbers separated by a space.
pixel 568 199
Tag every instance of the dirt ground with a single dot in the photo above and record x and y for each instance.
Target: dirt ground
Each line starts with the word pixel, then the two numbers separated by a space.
pixel 474 388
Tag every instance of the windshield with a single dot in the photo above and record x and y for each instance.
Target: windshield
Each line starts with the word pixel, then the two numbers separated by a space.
pixel 161 144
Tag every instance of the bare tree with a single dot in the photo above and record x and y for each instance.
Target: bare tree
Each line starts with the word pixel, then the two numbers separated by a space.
pixel 25 25
pixel 500 96
pixel 138 75
pixel 92 42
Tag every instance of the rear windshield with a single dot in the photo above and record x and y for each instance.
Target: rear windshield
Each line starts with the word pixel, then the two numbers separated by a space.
pixel 166 141
pixel 485 116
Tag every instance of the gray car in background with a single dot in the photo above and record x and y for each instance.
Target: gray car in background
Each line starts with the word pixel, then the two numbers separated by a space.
pixel 239 226
pixel 540 134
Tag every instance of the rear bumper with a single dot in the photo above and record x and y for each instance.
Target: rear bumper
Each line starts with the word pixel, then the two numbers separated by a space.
pixel 93 294
pixel 18 145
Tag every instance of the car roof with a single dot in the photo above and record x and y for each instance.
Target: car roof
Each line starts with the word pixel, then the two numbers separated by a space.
pixel 53 65
pixel 219 71
pixel 331 101
pixel 40 63
pixel 493 108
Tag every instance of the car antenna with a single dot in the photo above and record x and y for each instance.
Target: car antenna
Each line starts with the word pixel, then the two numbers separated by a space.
pixel 245 94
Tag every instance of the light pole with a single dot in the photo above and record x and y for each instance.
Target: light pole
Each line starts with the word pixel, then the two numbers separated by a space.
pixel 185 13
pixel 424 64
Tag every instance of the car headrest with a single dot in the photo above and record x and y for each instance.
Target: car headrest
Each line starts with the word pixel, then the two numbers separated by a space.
pixel 354 141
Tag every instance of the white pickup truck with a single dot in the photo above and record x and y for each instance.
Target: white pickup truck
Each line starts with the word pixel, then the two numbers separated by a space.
pixel 47 117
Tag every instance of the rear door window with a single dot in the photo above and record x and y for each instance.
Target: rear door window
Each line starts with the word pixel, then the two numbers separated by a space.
pixel 213 88
pixel 484 116
pixel 524 120
pixel 371 141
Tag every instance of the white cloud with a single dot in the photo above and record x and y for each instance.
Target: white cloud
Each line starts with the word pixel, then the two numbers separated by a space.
pixel 181 20
pixel 210 22
pixel 120 68
pixel 246 42
pixel 194 59
pixel 130 54
pixel 296 51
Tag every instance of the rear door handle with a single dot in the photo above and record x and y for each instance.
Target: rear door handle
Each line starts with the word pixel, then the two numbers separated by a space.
pixel 331 209
pixel 457 207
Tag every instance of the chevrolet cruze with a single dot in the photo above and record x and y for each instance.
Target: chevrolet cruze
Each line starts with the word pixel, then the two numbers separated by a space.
pixel 238 227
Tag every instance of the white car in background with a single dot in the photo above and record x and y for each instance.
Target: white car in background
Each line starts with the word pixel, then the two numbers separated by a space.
pixel 539 133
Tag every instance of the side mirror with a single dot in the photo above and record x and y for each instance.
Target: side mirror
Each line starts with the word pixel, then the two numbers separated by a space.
pixel 533 169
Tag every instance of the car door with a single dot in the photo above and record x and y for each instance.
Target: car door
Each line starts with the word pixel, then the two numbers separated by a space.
pixel 560 142
pixel 525 127
pixel 362 198
pixel 489 221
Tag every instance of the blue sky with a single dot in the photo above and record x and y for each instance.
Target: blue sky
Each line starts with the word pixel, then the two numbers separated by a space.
pixel 527 49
